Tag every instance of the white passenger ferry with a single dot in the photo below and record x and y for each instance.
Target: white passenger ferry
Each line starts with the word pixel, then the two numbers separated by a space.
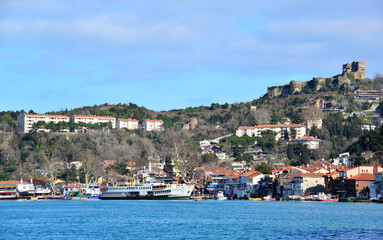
pixel 154 190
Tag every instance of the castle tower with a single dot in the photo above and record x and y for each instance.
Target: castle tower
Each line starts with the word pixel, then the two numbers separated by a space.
pixel 358 69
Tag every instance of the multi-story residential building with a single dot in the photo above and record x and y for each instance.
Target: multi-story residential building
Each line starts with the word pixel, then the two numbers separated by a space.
pixel 26 121
pixel 93 119
pixel 376 186
pixel 236 186
pixel 279 130
pixel 359 185
pixel 218 179
pixel 308 183
pixel 241 131
pixel 127 123
pixel 153 125
pixel 310 142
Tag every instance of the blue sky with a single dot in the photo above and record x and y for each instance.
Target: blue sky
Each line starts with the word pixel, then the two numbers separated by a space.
pixel 174 54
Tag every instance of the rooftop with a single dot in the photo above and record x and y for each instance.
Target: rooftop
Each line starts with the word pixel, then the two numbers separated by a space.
pixel 364 176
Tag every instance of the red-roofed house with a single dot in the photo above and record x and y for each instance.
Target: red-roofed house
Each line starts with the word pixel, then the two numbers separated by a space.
pixel 127 123
pixel 359 185
pixel 252 180
pixel 219 179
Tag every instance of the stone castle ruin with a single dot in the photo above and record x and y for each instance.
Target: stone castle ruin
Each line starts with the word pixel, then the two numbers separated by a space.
pixel 350 72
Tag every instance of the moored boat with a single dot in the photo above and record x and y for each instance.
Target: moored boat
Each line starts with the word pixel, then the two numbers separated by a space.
pixel 220 196
pixel 268 198
pixel 255 199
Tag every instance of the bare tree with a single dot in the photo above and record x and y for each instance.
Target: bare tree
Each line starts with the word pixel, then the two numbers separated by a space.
pixel 90 163
pixel 313 113
pixel 183 152
pixel 49 153
pixel 261 116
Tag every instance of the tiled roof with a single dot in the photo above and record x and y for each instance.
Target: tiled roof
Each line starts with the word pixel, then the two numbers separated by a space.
pixel 364 176
pixel 128 120
pixel 282 125
pixel 149 120
pixel 310 175
pixel 227 172
pixel 45 115
pixel 244 127
pixel 306 138
pixel 85 116
pixel 10 182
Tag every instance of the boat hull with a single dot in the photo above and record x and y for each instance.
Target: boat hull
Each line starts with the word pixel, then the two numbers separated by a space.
pixel 146 198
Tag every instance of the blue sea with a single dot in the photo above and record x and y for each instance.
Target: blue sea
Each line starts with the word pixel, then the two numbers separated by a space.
pixel 189 220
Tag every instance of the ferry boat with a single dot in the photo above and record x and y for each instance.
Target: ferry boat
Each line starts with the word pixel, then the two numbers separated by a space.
pixel 148 191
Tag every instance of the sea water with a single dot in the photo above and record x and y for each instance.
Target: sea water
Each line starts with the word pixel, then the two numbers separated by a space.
pixel 189 220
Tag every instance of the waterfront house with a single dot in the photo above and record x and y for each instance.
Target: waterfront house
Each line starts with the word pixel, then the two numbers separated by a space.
pixel 376 186
pixel 73 188
pixel 252 181
pixel 308 184
pixel 267 186
pixel 359 185
pixel 218 179
pixel 235 186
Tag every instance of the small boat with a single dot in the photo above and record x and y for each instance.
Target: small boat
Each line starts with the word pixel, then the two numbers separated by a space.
pixel 220 196
pixel 322 197
pixel 255 199
pixel 268 198
pixel 198 199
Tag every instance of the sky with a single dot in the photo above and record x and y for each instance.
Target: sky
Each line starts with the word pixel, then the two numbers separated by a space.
pixel 174 54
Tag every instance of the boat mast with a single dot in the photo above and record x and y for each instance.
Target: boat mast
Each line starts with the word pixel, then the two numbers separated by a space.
pixel 131 172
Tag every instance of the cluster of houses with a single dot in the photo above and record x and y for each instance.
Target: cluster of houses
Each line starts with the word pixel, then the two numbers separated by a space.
pixel 293 182
pixel 25 121
pixel 40 189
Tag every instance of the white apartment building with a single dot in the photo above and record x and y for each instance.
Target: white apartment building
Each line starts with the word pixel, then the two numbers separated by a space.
pixel 311 142
pixel 153 125
pixel 93 119
pixel 279 130
pixel 26 121
pixel 127 123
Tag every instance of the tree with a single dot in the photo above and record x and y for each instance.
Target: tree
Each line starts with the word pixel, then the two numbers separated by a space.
pixel 267 140
pixel 360 161
pixel 183 152
pixel 49 152
pixel 89 163
pixel 264 168
pixel 168 168
pixel 262 116
pixel 209 158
